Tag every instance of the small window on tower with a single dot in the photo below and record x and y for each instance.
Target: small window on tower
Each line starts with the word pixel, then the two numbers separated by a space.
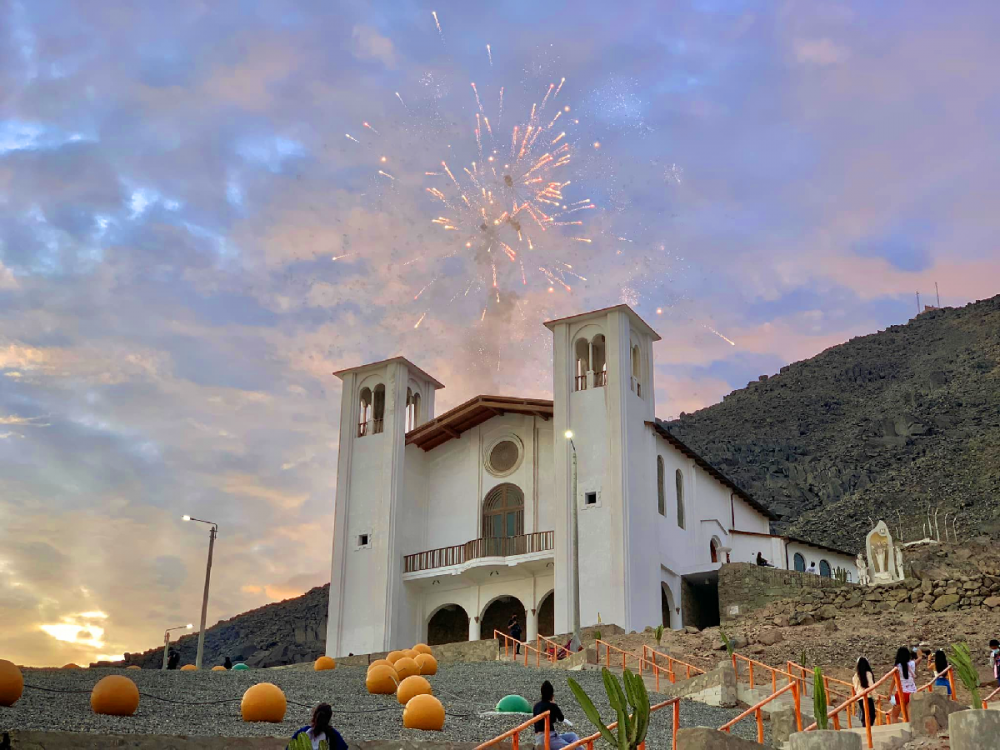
pixel 363 540
pixel 590 498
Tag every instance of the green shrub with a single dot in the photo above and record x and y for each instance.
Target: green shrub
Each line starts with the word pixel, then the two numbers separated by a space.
pixel 841 575
pixel 961 661
pixel 631 705
pixel 819 699
pixel 726 642
pixel 658 634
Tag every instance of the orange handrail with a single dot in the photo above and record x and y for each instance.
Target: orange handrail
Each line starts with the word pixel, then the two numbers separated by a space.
pixel 835 713
pixel 626 655
pixel 589 741
pixel 802 673
pixel 756 710
pixel 990 697
pixel 929 687
pixel 737 658
pixel 511 643
pixel 657 667
pixel 539 639
pixel 515 733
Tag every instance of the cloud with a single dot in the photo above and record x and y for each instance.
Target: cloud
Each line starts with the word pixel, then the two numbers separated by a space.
pixel 820 52
pixel 368 44
pixel 7 278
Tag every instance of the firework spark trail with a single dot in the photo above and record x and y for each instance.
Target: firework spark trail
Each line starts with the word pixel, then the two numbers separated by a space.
pixel 500 113
pixel 386 174
pixel 488 52
pixel 371 128
pixel 560 87
pixel 352 137
pixel 478 103
pixel 402 102
pixel 582 239
pixel 421 320
pixel 438 24
pixel 728 341
pixel 426 286
pixel 341 257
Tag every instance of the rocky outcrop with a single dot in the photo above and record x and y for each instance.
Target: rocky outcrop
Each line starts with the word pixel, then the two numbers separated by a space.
pixel 879 427
pixel 286 632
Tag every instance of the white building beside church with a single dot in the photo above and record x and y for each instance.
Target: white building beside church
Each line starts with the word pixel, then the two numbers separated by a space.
pixel 446 525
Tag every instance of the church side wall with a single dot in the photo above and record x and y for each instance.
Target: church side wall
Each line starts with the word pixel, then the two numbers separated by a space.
pixel 811 554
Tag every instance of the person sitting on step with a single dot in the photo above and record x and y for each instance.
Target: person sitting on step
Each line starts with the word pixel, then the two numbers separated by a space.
pixel 547 703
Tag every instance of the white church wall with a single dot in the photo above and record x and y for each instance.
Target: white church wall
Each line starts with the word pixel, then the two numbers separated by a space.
pixel 545 477
pixel 745 548
pixel 452 515
pixel 814 554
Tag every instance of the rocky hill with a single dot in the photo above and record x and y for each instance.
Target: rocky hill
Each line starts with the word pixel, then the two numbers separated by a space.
pixel 286 632
pixel 883 426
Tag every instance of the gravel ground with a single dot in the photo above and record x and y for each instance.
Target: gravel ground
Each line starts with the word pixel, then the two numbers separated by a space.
pixel 466 690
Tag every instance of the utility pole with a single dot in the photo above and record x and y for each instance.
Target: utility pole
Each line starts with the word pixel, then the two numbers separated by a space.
pixel 208 577
pixel 918 303
pixel 938 293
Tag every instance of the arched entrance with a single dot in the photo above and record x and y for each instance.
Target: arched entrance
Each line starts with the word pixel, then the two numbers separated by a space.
pixel 497 614
pixel 547 615
pixel 450 624
pixel 665 605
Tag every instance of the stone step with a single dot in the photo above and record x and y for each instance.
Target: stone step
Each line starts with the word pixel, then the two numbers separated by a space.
pixel 887 737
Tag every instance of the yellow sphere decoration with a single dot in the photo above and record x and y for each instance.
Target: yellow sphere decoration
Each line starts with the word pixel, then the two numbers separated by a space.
pixel 133 666
pixel 379 663
pixel 427 664
pixel 423 648
pixel 11 683
pixel 393 656
pixel 412 686
pixel 218 668
pixel 406 667
pixel 381 680
pixel 114 695
pixel 424 712
pixel 324 663
pixel 264 702
pixel 189 668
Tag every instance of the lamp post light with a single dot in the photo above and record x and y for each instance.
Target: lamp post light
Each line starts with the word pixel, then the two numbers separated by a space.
pixel 577 641
pixel 166 640
pixel 208 577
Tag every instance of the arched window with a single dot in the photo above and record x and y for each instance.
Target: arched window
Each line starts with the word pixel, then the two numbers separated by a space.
pixel 364 412
pixel 412 409
pixel 599 360
pixel 824 569
pixel 679 480
pixel 661 501
pixel 378 397
pixel 582 350
pixel 503 516
pixel 800 562
pixel 636 370
pixel 715 544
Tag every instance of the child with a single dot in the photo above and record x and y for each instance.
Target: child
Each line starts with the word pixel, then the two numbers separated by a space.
pixel 995 659
pixel 941 671
pixel 319 731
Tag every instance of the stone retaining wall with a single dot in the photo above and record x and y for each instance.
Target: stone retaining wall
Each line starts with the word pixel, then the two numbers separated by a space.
pixel 745 588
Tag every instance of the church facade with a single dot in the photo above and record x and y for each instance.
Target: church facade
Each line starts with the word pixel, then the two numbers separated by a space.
pixel 447 525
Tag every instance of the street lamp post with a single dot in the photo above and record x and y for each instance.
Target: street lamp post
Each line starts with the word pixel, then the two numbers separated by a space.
pixel 208 577
pixel 577 641
pixel 166 640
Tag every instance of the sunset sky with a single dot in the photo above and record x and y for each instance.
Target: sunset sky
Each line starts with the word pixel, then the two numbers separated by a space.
pixel 176 182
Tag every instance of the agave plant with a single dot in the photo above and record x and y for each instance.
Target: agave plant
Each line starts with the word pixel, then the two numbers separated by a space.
pixel 961 660
pixel 730 648
pixel 819 700
pixel 658 634
pixel 597 635
pixel 631 705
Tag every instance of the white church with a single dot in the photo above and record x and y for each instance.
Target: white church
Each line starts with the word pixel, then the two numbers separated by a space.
pixel 446 525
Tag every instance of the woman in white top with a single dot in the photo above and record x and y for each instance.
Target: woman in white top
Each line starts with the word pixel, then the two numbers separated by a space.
pixel 864 679
pixel 907 669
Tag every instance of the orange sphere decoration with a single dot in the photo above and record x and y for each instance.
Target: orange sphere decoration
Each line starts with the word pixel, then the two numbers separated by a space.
pixel 381 680
pixel 378 663
pixel 264 702
pixel 188 668
pixel 412 686
pixel 218 668
pixel 424 712
pixel 427 664
pixel 133 666
pixel 423 648
pixel 114 695
pixel 410 653
pixel 71 665
pixel 393 656
pixel 406 667
pixel 324 663
pixel 11 683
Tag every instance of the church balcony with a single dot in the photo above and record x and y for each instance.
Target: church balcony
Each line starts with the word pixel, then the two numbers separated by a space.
pixel 475 559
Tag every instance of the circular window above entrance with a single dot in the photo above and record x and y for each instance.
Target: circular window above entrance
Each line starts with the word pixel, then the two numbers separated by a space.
pixel 504 455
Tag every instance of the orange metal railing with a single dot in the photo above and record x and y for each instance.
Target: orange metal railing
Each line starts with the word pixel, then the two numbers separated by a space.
pixel 835 713
pixel 511 645
pixel 658 662
pixel 626 656
pixel 805 675
pixel 929 687
pixel 515 734
pixel 988 698
pixel 545 644
pixel 756 711
pixel 773 671
pixel 589 741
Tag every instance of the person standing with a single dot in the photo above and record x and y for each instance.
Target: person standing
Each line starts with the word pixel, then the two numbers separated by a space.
pixel 547 703
pixel 864 679
pixel 228 664
pixel 813 570
pixel 514 630
pixel 907 669
pixel 941 671
pixel 995 659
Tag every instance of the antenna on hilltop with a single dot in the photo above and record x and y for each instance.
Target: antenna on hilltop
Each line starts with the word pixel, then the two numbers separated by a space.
pixel 918 303
pixel 938 293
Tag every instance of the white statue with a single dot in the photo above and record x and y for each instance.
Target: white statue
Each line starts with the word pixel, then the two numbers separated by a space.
pixel 863 578
pixel 886 559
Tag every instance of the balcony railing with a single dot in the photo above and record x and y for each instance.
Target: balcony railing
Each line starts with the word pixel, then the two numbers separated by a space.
pixel 600 378
pixel 580 383
pixel 540 541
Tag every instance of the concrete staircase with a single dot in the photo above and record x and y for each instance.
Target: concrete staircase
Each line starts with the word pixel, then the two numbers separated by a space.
pixel 888 737
pixel 753 696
